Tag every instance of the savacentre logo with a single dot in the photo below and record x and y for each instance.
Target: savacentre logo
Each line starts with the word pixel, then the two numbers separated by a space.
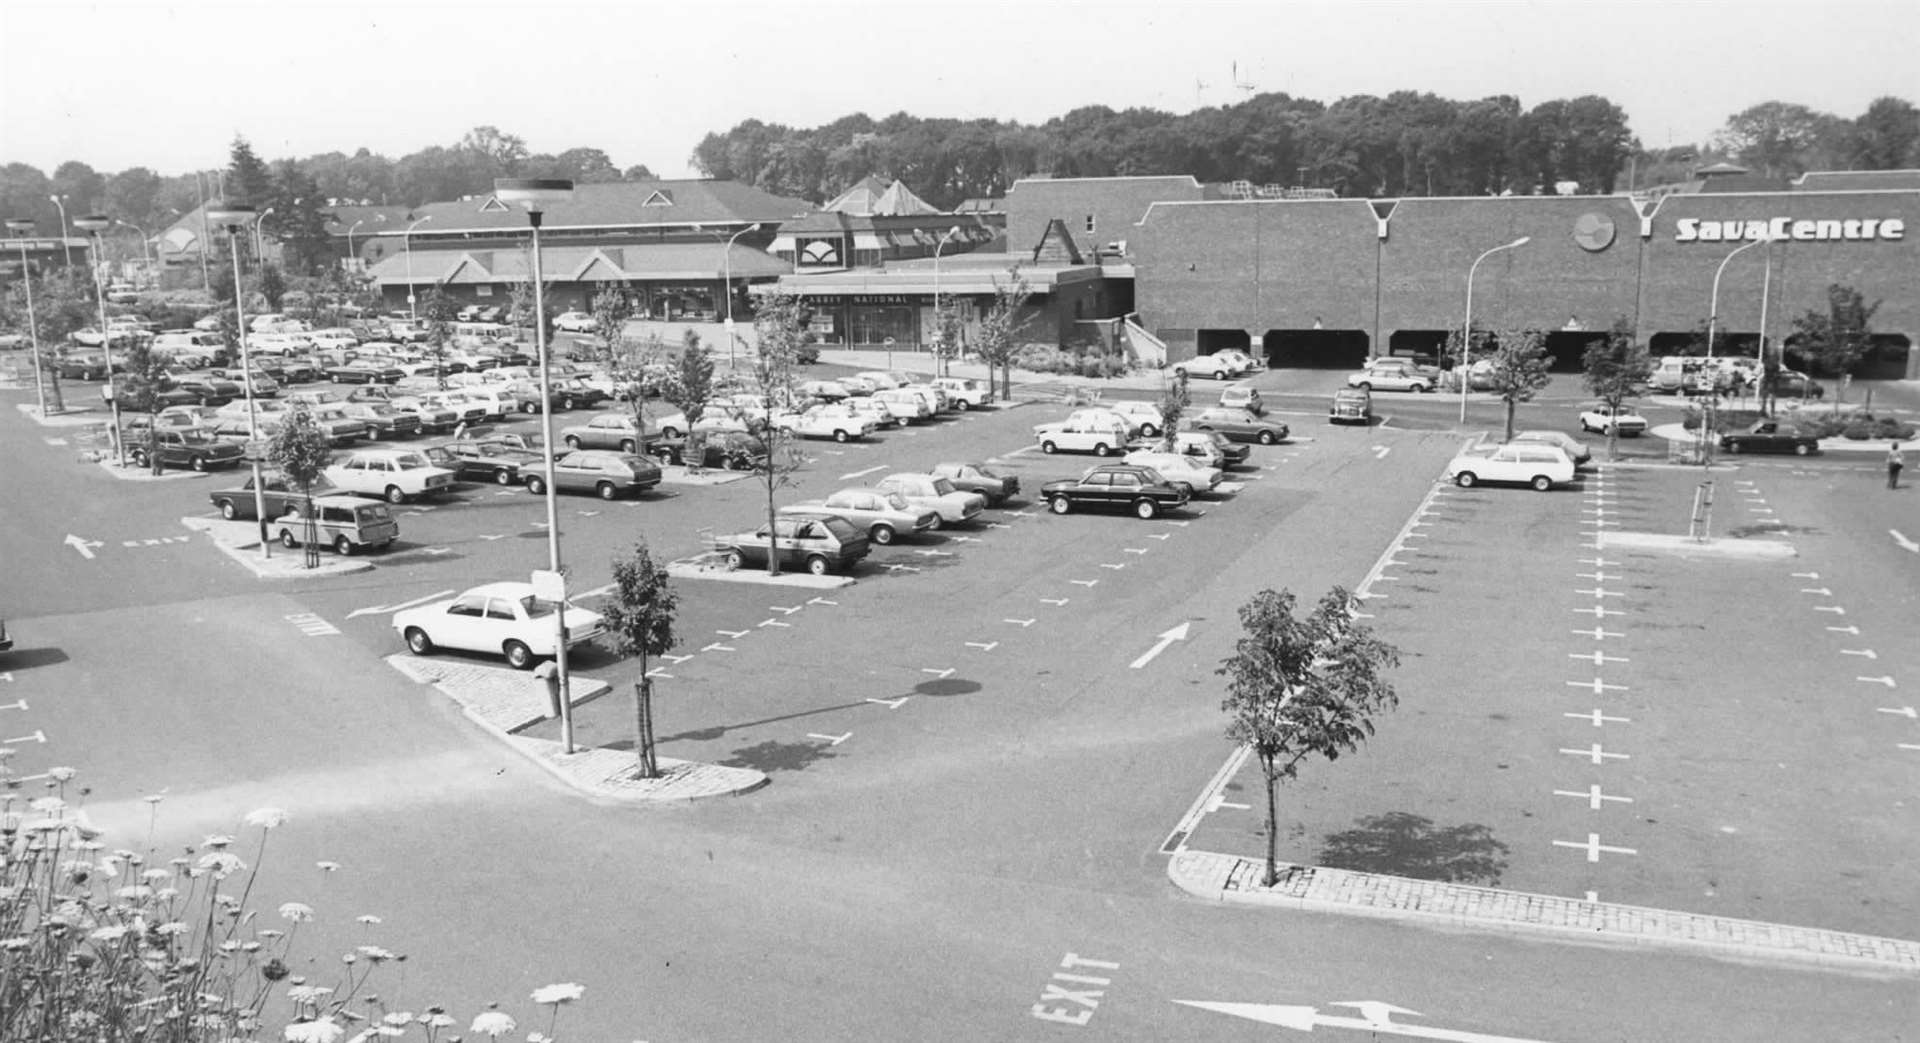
pixel 1694 230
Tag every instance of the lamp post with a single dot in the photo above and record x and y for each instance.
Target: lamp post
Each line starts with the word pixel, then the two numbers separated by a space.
pixel 60 202
pixel 146 242
pixel 20 228
pixel 939 332
pixel 1466 329
pixel 235 217
pixel 534 194
pixel 93 225
pixel 259 244
pixel 350 253
pixel 406 241
pixel 1708 418
pixel 726 259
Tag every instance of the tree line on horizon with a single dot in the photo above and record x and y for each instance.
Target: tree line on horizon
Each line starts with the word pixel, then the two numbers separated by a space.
pixel 1405 143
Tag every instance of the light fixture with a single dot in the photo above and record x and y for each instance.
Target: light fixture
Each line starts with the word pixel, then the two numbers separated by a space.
pixel 235 217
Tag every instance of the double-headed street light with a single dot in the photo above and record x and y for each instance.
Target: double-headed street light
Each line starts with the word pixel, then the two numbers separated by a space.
pixel 534 194
pixel 1466 329
pixel 20 228
pixel 259 243
pixel 1713 320
pixel 350 231
pixel 146 242
pixel 235 217
pixel 406 242
pixel 726 259
pixel 60 201
pixel 94 225
pixel 939 328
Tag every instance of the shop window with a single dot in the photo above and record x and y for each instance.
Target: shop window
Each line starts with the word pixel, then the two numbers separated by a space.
pixel 869 326
pixel 1089 224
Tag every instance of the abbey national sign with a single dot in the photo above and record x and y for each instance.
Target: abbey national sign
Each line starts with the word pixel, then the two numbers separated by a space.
pixel 1692 229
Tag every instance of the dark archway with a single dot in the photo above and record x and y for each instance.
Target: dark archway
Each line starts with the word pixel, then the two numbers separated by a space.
pixel 1209 341
pixel 1426 347
pixel 1568 349
pixel 1316 349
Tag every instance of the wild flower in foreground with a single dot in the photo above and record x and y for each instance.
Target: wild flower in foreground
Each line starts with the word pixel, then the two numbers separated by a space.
pixel 266 818
pixel 298 912
pixel 566 992
pixel 493 1024
pixel 324 1030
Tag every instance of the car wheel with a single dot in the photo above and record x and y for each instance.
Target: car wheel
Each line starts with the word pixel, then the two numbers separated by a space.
pixel 1149 431
pixel 606 490
pixel 839 436
pixel 287 540
pixel 1465 479
pixel 1584 427
pixel 1146 509
pixel 536 486
pixel 1541 483
pixel 1049 447
pixel 343 546
pixel 1734 448
pixel 198 463
pixel 418 642
pixel 519 656
pixel 1100 449
pixel 1419 389
pixel 573 441
pixel 670 432
pixel 1802 449
pixel 335 378
pixel 1266 438
pixel 227 510
pixel 882 534
pixel 566 404
pixel 735 559
pixel 626 445
pixel 503 476
pixel 139 458
pixel 1059 504
pixel 938 522
pixel 526 407
pixel 817 565
pixel 962 405
pixel 1365 386
pixel 394 495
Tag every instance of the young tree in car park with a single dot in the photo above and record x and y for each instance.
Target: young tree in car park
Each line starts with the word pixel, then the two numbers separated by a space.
pixel 688 387
pixel 1616 369
pixel 439 312
pixel 1838 339
pixel 1001 326
pixel 1174 400
pixel 300 451
pixel 51 324
pixel 143 377
pixel 639 612
pixel 611 309
pixel 270 284
pixel 1520 365
pixel 1300 687
pixel 520 298
pixel 947 331
pixel 780 328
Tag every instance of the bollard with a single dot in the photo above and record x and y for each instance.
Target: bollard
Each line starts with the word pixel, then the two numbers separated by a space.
pixel 549 675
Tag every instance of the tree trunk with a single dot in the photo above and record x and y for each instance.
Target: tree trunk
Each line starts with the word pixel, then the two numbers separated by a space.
pixel 1511 405
pixel 1273 826
pixel 153 446
pixel 643 724
pixel 773 533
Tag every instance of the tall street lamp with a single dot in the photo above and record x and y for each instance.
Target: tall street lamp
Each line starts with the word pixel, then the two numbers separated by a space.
pixel 939 330
pixel 350 253
pixel 1466 329
pixel 93 225
pixel 146 242
pixel 535 194
pixel 726 259
pixel 235 217
pixel 20 228
pixel 406 242
pixel 1707 418
pixel 259 244
pixel 60 201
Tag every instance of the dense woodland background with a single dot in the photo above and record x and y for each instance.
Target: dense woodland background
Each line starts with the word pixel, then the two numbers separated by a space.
pixel 1405 143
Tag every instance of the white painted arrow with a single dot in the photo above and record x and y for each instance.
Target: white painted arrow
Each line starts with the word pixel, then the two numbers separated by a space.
pixel 1888 681
pixel 832 740
pixel 1904 711
pixel 891 704
pixel 1853 630
pixel 1374 1017
pixel 941 674
pixel 1905 544
pixel 1868 652
pixel 1178 633
pixel 37 736
pixel 377 609
pixel 21 705
pixel 851 475
pixel 1019 622
pixel 1055 601
pixel 81 544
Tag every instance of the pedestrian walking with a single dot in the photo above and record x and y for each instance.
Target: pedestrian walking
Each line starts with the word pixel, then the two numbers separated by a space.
pixel 1894 463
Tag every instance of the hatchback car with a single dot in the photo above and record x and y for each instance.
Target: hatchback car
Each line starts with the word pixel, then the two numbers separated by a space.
pixel 1536 464
pixel 1576 450
pixel 1392 375
pixel 508 619
pixel 1351 406
pixel 605 473
pixel 882 514
pixel 1601 419
pixel 1216 366
pixel 1238 425
pixel 345 523
pixel 817 542
pixel 978 478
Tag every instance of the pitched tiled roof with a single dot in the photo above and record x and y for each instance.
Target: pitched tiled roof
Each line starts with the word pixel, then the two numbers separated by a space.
pixel 692 262
pixel 859 198
pixel 372 219
pixel 623 204
pixel 899 200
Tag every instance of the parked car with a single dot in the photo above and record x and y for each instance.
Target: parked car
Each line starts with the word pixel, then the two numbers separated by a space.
pixel 431 415
pixel 238 502
pixel 819 543
pixel 193 448
pixel 619 431
pixel 345 523
pixel 836 422
pixel 1576 450
pixel 1392 375
pixel 1141 490
pixel 978 478
pixel 1237 425
pixel 1245 361
pixel 333 419
pixel 395 475
pixel 1143 418
pixel 1525 463
pixel 1209 447
pixel 965 392
pixel 604 472
pixel 729 451
pixel 364 371
pixel 469 411
pixel 208 391
pixel 573 322
pixel 381 419
pixel 1240 396
pixel 1686 375
pixel 188 416
pixel 1770 436
pixel 263 383
pixel 905 406
pixel 950 505
pixel 876 411
pixel 1096 431
pixel 880 514
pixel 1215 366
pixel 1351 405
pixel 1600 419
pixel 503 618
pixel 81 365
pixel 483 461
pixel 1195 474
pixel 883 380
pixel 823 390
pixel 1791 383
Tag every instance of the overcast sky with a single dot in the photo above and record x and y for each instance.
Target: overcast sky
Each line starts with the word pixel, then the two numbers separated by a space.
pixel 167 85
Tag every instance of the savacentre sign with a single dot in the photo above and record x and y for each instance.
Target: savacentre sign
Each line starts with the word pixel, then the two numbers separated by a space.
pixel 1695 230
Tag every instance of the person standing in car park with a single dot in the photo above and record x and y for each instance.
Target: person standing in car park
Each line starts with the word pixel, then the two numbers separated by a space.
pixel 1895 461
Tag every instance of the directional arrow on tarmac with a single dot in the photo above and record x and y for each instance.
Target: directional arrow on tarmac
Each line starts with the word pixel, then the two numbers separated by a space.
pixel 83 545
pixel 1375 1017
pixel 1898 537
pixel 1178 633
pixel 377 609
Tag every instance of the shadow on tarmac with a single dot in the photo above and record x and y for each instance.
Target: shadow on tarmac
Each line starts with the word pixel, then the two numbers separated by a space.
pixel 1403 844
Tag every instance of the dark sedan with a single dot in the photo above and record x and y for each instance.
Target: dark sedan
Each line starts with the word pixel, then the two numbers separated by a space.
pixel 1138 489
pixel 1238 425
pixel 978 478
pixel 238 502
pixel 1769 436
pixel 487 461
pixel 209 391
pixel 360 371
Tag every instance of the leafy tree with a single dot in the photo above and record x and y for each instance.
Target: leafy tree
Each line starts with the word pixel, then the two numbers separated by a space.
pixel 1887 136
pixel 271 284
pixel 637 172
pixel 611 309
pixel 248 177
pixel 137 390
pixel 689 389
pixel 83 187
pixel 1780 139
pixel 1174 400
pixel 1520 368
pixel 300 219
pixel 300 451
pixel 520 298
pixel 946 332
pixel 439 312
pixel 1301 687
pixel 1615 369
pixel 1837 340
pixel 1001 326
pixel 639 614
pixel 779 328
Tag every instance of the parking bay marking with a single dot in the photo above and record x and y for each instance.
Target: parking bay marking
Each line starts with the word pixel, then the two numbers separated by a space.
pixel 1597 754
pixel 1593 847
pixel 851 475
pixel 1599 719
pixel 830 740
pixel 374 609
pixel 312 625
pixel 891 704
pixel 1888 681
pixel 1903 711
pixel 1867 652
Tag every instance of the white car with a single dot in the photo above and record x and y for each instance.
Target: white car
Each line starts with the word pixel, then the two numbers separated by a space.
pixel 432 416
pixel 1095 431
pixel 1392 375
pixel 1575 449
pixel 1178 468
pixel 882 380
pixel 718 419
pixel 865 406
pixel 1527 463
pixel 836 422
pixel 1602 420
pixel 1142 417
pixel 964 392
pixel 498 401
pixel 503 618
pixel 573 322
pixel 858 386
pixel 933 493
pixel 1246 362
pixel 1215 365
pixel 396 475
pixel 903 405
pixel 334 338
pixel 283 344
pixel 824 390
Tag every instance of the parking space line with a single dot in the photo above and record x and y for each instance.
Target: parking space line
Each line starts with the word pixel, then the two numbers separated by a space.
pixel 1596 754
pixel 1594 847
pixel 1593 795
pixel 1598 719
